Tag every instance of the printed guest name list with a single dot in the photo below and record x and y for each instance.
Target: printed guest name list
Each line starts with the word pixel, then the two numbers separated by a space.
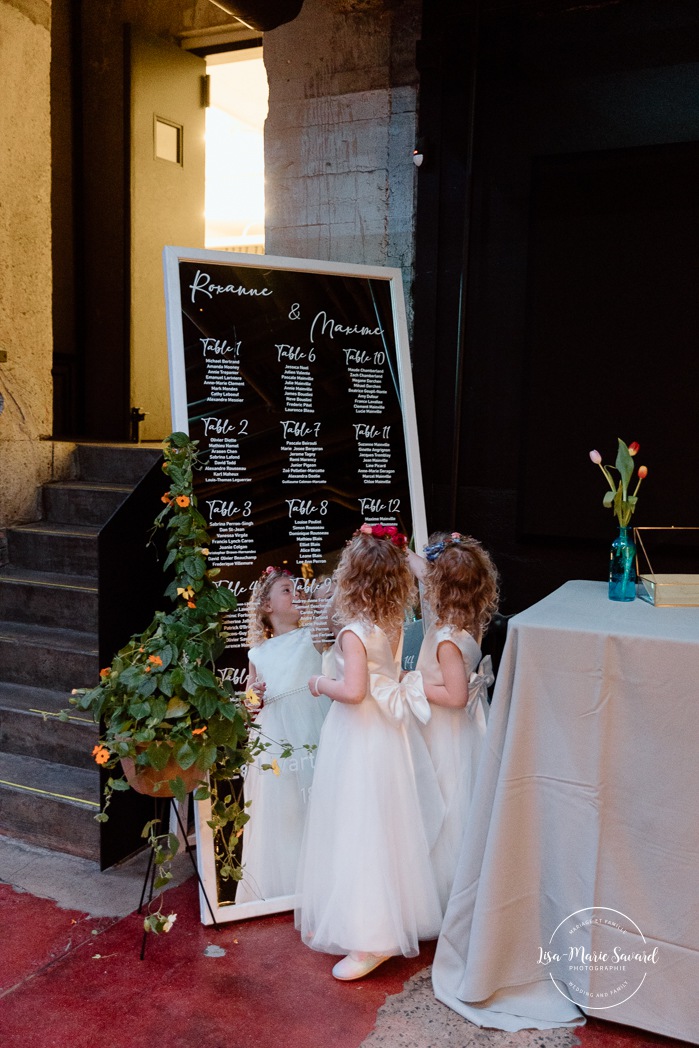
pixel 292 394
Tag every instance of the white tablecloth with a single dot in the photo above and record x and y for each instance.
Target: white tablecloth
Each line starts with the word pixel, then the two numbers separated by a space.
pixel 587 798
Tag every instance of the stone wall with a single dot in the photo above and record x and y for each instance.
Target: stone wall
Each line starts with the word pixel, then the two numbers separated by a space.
pixel 339 176
pixel 26 457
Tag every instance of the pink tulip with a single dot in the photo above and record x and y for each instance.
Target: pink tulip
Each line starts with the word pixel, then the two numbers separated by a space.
pixel 642 472
pixel 634 448
pixel 596 457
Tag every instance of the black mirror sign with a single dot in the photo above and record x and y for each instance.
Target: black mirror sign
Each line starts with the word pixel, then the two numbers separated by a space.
pixel 294 376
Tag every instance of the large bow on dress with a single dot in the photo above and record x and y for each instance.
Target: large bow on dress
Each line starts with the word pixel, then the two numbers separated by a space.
pixel 398 699
pixel 478 684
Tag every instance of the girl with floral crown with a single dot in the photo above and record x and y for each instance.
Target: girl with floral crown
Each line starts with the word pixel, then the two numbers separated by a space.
pixel 282 655
pixel 366 887
pixel 460 590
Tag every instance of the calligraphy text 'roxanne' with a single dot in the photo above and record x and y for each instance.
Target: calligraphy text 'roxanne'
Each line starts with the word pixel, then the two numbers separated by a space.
pixel 202 285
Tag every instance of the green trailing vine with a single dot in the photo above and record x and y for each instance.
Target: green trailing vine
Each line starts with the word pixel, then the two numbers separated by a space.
pixel 161 697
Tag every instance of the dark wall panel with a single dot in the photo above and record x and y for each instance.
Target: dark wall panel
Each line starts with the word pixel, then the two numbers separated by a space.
pixel 575 238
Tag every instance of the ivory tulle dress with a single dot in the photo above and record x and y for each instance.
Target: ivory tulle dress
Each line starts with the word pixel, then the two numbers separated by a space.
pixel 454 738
pixel 272 837
pixel 365 877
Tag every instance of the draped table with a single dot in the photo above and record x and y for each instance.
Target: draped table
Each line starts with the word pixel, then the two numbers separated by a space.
pixel 577 886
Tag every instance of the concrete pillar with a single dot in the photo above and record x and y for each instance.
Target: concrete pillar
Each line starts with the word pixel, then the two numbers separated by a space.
pixel 26 459
pixel 339 176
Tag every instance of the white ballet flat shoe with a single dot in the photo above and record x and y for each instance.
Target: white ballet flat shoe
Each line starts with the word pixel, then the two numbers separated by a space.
pixel 357 965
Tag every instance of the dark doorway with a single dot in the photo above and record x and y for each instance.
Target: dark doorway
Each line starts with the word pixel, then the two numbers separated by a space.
pixel 89 135
pixel 574 133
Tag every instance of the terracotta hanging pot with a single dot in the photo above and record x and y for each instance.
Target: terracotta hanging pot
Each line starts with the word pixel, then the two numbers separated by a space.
pixel 143 778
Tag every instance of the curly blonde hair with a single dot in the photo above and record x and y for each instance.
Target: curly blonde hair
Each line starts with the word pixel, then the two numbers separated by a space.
pixel 259 625
pixel 461 583
pixel 374 583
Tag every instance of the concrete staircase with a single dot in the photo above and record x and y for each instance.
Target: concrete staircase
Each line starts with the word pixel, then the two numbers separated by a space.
pixel 49 783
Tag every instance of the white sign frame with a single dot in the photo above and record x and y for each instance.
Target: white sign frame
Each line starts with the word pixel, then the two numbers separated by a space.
pixel 172 257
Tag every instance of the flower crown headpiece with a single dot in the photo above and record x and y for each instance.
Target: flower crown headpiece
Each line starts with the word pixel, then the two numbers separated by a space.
pixel 269 576
pixel 384 531
pixel 433 551
pixel 260 594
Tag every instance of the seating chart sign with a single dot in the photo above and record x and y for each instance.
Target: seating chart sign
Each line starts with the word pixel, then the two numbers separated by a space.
pixel 294 376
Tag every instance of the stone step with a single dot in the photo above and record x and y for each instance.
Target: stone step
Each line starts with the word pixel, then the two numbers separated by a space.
pixel 48 598
pixel 37 700
pixel 57 659
pixel 30 726
pixel 49 783
pixel 116 463
pixel 69 550
pixel 50 805
pixel 82 502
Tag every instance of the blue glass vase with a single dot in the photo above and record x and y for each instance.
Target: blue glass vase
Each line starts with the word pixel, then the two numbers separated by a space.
pixel 622 567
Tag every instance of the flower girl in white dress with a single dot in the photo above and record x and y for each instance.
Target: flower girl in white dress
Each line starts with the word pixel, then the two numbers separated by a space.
pixel 282 656
pixel 461 593
pixel 366 887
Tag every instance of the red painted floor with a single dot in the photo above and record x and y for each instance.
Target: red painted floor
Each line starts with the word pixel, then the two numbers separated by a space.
pixel 71 989
pixel 71 981
pixel 35 933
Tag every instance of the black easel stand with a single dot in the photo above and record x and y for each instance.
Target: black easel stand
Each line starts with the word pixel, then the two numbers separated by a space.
pixel 158 803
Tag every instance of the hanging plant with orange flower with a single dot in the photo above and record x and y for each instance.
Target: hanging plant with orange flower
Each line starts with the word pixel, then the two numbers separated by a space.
pixel 161 699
